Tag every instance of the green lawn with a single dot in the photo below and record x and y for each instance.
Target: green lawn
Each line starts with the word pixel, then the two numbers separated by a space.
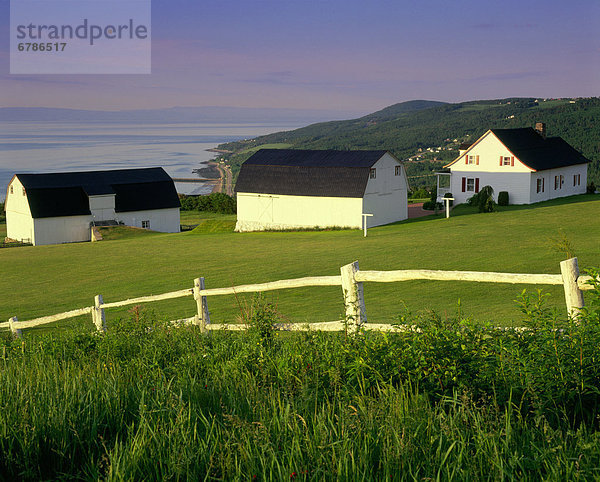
pixel 45 280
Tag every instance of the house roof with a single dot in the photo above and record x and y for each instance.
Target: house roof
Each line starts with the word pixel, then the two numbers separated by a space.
pixel 326 173
pixel 533 150
pixel 67 193
pixel 537 152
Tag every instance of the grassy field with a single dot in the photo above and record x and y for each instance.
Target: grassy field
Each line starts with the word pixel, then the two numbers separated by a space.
pixel 276 145
pixel 44 280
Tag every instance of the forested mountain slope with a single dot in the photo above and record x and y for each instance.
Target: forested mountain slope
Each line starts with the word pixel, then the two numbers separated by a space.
pixel 427 134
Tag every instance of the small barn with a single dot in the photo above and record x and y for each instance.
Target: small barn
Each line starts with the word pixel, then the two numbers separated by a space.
pixel 63 207
pixel 524 162
pixel 293 188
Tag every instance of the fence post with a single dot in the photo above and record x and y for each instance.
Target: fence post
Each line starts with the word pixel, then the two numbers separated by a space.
pixel 354 300
pixel 573 295
pixel 202 317
pixel 98 316
pixel 15 331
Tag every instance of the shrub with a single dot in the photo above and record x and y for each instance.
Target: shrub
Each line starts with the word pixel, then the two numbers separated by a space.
pixel 591 188
pixel 420 194
pixel 217 202
pixel 484 200
pixel 449 194
pixel 503 198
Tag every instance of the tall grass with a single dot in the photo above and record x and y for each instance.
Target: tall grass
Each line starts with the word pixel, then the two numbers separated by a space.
pixel 451 401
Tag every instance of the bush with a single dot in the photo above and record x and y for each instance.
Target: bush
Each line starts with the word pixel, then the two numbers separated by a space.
pixel 449 194
pixel 503 198
pixel 591 188
pixel 420 194
pixel 217 202
pixel 484 200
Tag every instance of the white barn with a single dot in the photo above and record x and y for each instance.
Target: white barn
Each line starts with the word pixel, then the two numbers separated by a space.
pixel 62 207
pixel 524 162
pixel 290 188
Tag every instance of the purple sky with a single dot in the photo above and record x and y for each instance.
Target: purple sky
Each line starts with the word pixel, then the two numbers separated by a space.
pixel 351 55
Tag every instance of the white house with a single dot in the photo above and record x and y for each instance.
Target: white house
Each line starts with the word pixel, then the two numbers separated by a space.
pixel 62 207
pixel 289 188
pixel 524 162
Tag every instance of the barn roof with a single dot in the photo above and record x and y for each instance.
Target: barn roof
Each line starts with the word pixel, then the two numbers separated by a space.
pixel 326 173
pixel 67 193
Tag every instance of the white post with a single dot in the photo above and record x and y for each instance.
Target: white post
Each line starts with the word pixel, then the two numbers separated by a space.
pixel 354 300
pixel 365 216
pixel 447 203
pixel 15 331
pixel 202 317
pixel 573 295
pixel 98 316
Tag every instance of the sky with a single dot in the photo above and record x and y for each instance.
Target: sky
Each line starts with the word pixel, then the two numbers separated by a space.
pixel 345 55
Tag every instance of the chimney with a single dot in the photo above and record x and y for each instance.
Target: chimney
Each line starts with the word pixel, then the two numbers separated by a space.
pixel 540 127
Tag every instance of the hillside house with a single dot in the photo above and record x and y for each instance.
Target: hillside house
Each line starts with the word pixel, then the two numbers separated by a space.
pixel 63 207
pixel 524 162
pixel 288 188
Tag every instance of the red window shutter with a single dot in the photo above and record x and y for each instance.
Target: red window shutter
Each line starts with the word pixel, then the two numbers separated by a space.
pixel 476 184
pixel 477 160
pixel 500 160
pixel 466 159
pixel 464 184
pixel 543 182
pixel 512 161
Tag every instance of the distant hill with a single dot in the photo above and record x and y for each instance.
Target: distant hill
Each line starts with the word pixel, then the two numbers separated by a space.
pixel 173 115
pixel 427 134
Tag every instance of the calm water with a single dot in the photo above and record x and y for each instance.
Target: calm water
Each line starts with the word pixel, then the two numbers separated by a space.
pixel 58 147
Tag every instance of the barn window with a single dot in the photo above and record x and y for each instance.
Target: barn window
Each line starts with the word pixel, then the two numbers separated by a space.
pixel 372 173
pixel 397 170
pixel 558 182
pixel 146 224
pixel 540 184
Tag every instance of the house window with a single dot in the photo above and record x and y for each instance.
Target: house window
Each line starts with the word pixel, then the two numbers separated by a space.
pixel 23 191
pixel 472 160
pixel 506 161
pixel 11 189
pixel 397 170
pixel 146 224
pixel 372 173
pixel 470 184
pixel 576 179
pixel 540 184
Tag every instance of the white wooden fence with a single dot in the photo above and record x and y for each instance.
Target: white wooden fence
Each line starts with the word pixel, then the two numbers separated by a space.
pixel 351 280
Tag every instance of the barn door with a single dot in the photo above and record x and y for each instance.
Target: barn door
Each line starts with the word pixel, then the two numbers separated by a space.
pixel 265 208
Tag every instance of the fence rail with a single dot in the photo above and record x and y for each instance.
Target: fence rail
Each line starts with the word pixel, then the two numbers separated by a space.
pixel 351 280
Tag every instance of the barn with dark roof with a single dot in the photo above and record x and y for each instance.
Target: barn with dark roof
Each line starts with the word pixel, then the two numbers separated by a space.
pixel 63 207
pixel 293 188
pixel 524 162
